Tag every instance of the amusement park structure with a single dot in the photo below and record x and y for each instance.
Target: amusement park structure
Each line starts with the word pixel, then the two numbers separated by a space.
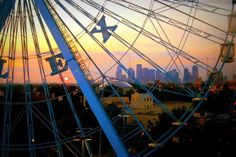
pixel 50 41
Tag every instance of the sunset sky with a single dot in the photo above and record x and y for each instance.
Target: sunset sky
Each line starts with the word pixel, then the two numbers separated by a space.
pixel 198 47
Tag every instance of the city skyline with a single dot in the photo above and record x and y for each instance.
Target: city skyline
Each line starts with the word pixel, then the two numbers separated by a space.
pixel 158 43
pixel 117 77
pixel 147 75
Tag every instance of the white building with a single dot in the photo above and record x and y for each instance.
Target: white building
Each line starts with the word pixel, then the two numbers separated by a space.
pixel 141 101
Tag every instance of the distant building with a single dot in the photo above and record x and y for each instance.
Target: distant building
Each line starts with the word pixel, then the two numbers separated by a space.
pixel 116 101
pixel 148 75
pixel 124 77
pixel 132 72
pixel 141 101
pixel 167 77
pixel 187 76
pixel 195 73
pixel 151 75
pixel 137 100
pixel 145 73
pixel 139 72
pixel 159 75
pixel 174 75
pixel 118 73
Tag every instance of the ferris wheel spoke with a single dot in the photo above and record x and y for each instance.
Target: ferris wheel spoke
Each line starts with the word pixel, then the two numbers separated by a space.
pixel 133 6
pixel 43 78
pixel 71 105
pixel 110 84
pixel 173 22
pixel 202 6
pixel 148 60
pixel 182 44
pixel 94 103
pixel 6 7
pixel 185 27
pixel 115 92
pixel 56 41
pixel 26 74
pixel 128 45
pixel 129 110
pixel 9 85
pixel 44 120
pixel 188 90
pixel 70 101
pixel 4 33
pixel 197 19
pixel 178 24
pixel 151 36
pixel 173 60
pixel 117 61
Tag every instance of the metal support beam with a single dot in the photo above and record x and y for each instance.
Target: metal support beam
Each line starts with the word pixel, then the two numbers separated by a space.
pixel 87 90
pixel 5 6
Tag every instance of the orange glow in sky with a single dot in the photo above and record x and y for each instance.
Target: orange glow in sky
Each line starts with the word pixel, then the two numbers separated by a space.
pixel 136 32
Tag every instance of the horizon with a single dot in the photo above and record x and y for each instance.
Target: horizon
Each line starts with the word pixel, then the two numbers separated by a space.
pixel 207 52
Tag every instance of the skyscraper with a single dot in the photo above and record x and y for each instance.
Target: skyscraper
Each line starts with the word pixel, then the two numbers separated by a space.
pixel 187 76
pixel 195 73
pixel 131 71
pixel 174 75
pixel 145 73
pixel 152 75
pixel 118 73
pixel 159 75
pixel 139 72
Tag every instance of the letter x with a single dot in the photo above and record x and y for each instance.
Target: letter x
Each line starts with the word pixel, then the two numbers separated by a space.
pixel 104 29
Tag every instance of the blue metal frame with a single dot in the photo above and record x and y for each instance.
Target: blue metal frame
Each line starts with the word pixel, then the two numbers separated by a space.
pixel 87 90
pixel 44 82
pixel 9 88
pixel 5 7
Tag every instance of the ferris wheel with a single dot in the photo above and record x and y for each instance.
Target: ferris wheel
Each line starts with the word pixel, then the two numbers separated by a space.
pixel 58 58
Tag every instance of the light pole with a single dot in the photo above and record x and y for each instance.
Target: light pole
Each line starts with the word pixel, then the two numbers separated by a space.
pixel 83 140
pixel 123 120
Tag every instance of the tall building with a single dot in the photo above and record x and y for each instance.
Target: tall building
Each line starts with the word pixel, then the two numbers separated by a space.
pixel 152 75
pixel 118 73
pixel 132 72
pixel 139 72
pixel 145 72
pixel 187 76
pixel 159 75
pixel 174 75
pixel 141 100
pixel 195 73
pixel 124 77
pixel 148 75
